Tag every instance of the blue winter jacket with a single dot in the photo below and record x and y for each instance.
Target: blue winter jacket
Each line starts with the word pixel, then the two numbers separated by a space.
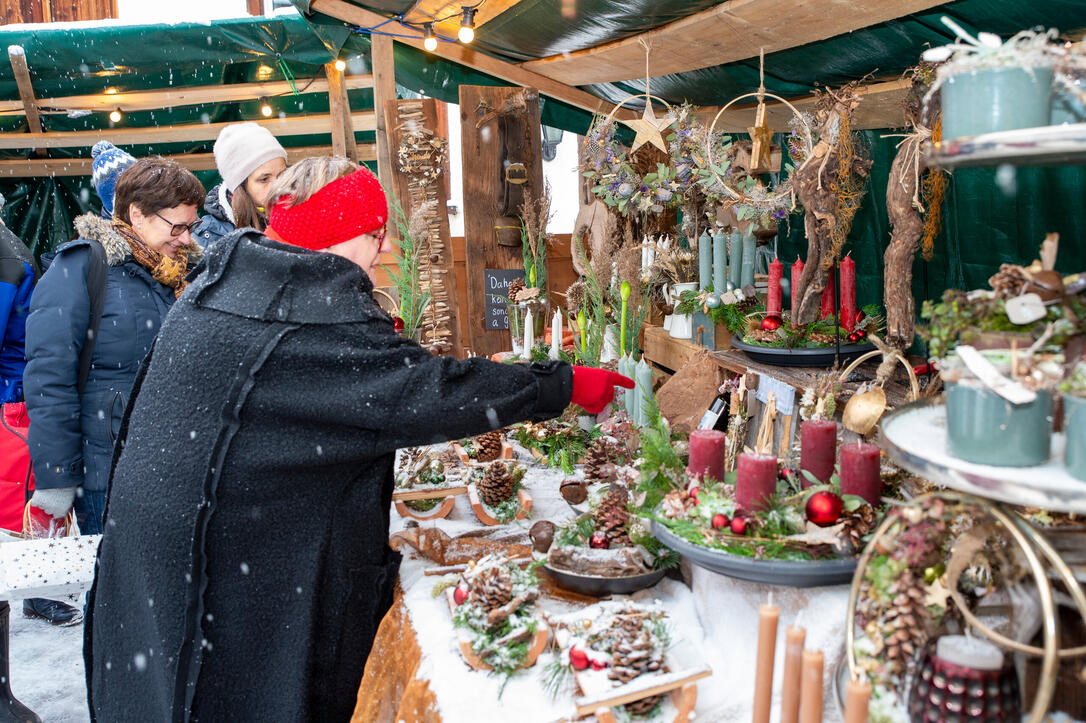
pixel 17 274
pixel 219 218
pixel 71 440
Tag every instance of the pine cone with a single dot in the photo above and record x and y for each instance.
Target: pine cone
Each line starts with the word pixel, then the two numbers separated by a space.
pixel 611 517
pixel 858 524
pixel 904 624
pixel 599 460
pixel 762 335
pixel 515 287
pixel 823 339
pixel 496 486
pixel 1008 282
pixel 634 652
pixel 492 588
pixel 488 446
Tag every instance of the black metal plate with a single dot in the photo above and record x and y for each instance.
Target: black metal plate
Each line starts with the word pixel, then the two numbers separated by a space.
pixel 603 586
pixel 814 573
pixel 800 357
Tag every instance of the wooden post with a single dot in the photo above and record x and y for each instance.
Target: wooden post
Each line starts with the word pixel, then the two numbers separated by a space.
pixel 348 124
pixel 336 109
pixel 255 7
pixel 483 112
pixel 437 267
pixel 26 91
pixel 384 89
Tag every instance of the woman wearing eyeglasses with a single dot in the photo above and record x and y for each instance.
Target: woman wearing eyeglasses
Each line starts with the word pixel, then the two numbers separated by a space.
pixel 148 250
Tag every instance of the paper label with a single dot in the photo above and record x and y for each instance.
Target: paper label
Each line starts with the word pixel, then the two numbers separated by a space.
pixel 783 394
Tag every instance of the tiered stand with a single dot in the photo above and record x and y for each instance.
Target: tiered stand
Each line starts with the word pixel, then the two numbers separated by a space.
pixel 915 437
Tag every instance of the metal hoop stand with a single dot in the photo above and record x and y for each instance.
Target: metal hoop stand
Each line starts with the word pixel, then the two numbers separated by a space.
pixel 1034 547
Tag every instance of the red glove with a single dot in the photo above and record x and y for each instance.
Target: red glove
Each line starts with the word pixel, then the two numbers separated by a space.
pixel 593 389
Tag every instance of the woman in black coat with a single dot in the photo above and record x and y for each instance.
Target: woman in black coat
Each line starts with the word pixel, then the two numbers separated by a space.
pixel 245 564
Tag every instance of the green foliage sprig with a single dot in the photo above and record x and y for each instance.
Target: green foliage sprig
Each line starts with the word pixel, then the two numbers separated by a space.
pixel 410 248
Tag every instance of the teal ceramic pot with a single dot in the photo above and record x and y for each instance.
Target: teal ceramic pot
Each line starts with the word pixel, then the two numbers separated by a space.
pixel 996 99
pixel 985 428
pixel 1074 424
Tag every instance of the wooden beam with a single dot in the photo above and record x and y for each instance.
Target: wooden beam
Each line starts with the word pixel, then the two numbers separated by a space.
pixel 384 89
pixel 457 53
pixel 426 10
pixel 348 126
pixel 193 161
pixel 336 109
pixel 26 90
pixel 727 32
pixel 172 97
pixel 881 107
pixel 290 126
pixel 254 7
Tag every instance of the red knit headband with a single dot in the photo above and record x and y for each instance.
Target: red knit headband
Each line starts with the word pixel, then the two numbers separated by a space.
pixel 344 209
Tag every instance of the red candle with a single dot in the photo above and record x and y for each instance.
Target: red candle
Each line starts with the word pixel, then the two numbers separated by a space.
pixel 707 453
pixel 797 271
pixel 860 471
pixel 755 480
pixel 848 293
pixel 818 448
pixel 773 298
pixel 827 297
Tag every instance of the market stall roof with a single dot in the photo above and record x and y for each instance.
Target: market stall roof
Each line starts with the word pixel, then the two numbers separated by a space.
pixel 701 52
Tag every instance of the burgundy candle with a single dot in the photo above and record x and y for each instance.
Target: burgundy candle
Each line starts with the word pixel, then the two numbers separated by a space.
pixel 797 271
pixel 848 293
pixel 773 298
pixel 827 297
pixel 860 471
pixel 707 453
pixel 755 480
pixel 818 448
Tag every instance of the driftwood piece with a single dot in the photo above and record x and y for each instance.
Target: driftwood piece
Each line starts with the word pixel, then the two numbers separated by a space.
pixel 436 545
pixel 898 261
pixel 620 562
pixel 497 616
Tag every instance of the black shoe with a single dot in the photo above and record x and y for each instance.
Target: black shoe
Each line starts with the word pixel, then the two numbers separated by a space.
pixel 57 613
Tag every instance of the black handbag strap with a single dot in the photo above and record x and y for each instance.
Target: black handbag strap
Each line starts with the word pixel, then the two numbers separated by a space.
pixel 96 289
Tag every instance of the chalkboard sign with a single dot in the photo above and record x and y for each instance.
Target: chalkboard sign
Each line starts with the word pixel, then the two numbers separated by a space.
pixel 496 284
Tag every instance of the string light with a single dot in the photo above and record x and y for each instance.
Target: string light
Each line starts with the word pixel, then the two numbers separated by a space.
pixel 430 43
pixel 467 25
pixel 341 64
pixel 265 108
pixel 115 116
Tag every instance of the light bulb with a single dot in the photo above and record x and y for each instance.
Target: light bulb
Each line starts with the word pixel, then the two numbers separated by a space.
pixel 430 43
pixel 115 116
pixel 467 25
pixel 265 108
pixel 341 64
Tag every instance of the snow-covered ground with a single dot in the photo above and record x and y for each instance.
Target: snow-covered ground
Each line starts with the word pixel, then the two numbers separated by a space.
pixel 47 668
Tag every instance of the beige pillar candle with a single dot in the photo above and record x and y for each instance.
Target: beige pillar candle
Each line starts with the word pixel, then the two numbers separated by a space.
pixel 810 692
pixel 794 637
pixel 857 696
pixel 768 615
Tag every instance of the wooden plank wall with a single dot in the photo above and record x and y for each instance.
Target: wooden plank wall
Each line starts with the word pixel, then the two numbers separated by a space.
pixel 55 11
pixel 560 274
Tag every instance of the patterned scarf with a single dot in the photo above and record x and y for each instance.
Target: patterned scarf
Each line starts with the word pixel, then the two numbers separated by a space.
pixel 164 270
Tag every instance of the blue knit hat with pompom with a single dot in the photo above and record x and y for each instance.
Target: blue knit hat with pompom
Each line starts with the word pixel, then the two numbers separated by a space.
pixel 109 161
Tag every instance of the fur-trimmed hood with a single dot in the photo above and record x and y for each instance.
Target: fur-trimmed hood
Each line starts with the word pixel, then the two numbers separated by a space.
pixel 96 228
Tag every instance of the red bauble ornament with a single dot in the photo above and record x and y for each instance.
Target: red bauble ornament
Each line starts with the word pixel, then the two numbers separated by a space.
pixel 578 658
pixel 720 520
pixel 824 508
pixel 598 664
pixel 693 492
pixel 739 526
pixel 853 337
pixel 397 323
pixel 599 541
pixel 460 594
pixel 860 334
pixel 771 323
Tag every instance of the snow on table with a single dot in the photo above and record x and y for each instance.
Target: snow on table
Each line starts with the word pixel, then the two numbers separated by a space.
pixel 715 616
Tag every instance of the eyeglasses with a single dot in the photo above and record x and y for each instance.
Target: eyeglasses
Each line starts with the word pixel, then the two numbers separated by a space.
pixel 379 236
pixel 176 229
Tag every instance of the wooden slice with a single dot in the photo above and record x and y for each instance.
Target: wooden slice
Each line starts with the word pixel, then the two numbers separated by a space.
pixel 506 453
pixel 486 518
pixel 539 642
pixel 437 513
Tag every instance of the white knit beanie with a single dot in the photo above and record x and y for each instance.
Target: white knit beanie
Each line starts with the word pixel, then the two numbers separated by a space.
pixel 242 148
